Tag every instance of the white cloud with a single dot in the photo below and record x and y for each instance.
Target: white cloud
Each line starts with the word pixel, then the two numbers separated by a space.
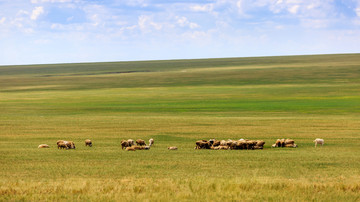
pixel 196 35
pixel 50 1
pixel 2 20
pixel 134 3
pixel 22 12
pixel 36 12
pixel 357 10
pixel 146 23
pixel 294 9
pixel 183 22
pixel 314 23
pixel 202 8
pixel 41 41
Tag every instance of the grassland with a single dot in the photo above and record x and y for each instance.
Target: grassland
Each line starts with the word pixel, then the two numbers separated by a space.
pixel 176 103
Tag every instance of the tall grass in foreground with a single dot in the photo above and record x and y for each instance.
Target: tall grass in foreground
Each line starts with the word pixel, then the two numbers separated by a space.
pixel 177 103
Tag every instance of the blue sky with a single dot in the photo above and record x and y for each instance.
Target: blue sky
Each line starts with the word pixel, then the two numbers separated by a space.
pixel 66 31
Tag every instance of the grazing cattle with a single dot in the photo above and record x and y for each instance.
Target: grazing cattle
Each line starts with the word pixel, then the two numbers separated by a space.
pixel 147 147
pixel 172 148
pixel 43 146
pixel 140 142
pixel 319 141
pixel 88 143
pixel 151 142
pixel 212 141
pixel 124 144
pixel 274 145
pixel 131 142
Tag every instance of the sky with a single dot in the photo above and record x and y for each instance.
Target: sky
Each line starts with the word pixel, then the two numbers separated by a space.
pixel 68 31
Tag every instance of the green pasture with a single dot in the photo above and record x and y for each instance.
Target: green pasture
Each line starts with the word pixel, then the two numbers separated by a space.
pixel 177 102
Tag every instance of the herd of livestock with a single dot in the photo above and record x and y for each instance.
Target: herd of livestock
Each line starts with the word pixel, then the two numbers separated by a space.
pixel 242 144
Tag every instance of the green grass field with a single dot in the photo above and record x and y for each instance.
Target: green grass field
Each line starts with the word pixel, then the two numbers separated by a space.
pixel 176 103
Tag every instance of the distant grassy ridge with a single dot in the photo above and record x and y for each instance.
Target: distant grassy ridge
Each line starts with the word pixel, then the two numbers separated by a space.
pixel 231 71
pixel 173 65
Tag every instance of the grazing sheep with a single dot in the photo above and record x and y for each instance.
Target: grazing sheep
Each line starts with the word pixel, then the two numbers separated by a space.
pixel 289 141
pixel 202 144
pixel 216 143
pixel 212 141
pixel 130 149
pixel 151 142
pixel 88 143
pixel 59 141
pixel 242 144
pixel 70 144
pixel 278 143
pixel 136 147
pixel 124 144
pixel 250 144
pixel 224 147
pixel 229 142
pixel 214 148
pixel 62 145
pixel 172 148
pixel 233 145
pixel 319 141
pixel 43 146
pixel 223 143
pixel 282 142
pixel 291 145
pixel 131 142
pixel 140 142
pixel 260 143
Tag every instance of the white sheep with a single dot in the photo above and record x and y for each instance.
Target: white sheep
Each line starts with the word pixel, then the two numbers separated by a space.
pixel 151 142
pixel 319 141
